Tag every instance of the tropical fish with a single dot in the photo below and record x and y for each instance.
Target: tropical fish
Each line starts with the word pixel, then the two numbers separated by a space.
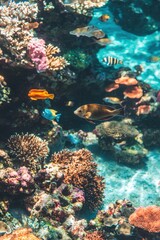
pixel 88 31
pixel 112 100
pixel 50 114
pixel 104 18
pixel 112 60
pixel 103 41
pixel 96 112
pixel 39 94
pixel 154 59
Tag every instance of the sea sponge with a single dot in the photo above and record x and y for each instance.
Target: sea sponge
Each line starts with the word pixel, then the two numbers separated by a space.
pixel 20 234
pixel 80 170
pixel 147 218
pixel 29 150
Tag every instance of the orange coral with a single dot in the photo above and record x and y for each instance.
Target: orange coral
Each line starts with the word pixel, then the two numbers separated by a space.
pixel 20 234
pixel 80 170
pixel 146 218
pixel 126 81
pixel 112 87
pixel 94 236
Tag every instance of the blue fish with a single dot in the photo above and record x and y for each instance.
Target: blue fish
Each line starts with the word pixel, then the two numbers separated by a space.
pixel 50 114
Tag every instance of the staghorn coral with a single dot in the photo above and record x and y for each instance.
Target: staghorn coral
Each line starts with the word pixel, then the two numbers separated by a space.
pixel 94 235
pixel 83 6
pixel 54 62
pixel 80 170
pixel 16 182
pixel 29 150
pixel 146 218
pixel 14 36
pixel 20 234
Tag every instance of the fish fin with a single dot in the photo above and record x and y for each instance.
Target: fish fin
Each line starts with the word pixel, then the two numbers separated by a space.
pixel 51 96
pixel 90 121
pixel 54 122
pixel 33 98
pixel 53 112
pixel 87 115
pixel 58 117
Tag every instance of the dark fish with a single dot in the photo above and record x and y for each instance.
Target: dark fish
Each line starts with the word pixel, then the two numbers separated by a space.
pixel 96 112
pixel 112 61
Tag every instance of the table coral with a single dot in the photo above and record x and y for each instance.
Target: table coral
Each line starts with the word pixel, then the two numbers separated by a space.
pixel 80 170
pixel 146 218
pixel 20 234
pixel 28 150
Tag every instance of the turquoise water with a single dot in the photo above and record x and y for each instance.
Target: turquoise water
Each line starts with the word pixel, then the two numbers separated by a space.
pixel 130 48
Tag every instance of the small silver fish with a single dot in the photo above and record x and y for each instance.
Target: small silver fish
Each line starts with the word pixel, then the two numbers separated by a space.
pixel 112 61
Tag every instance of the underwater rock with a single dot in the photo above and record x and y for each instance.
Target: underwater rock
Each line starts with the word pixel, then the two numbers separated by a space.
pixel 5 160
pixel 16 182
pixel 138 17
pixel 28 150
pixel 123 139
pixel 80 170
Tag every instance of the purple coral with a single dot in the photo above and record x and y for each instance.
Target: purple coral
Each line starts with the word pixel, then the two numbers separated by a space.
pixel 15 182
pixel 37 52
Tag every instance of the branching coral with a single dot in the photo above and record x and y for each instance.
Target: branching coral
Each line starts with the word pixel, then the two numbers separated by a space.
pixel 94 235
pixel 14 36
pixel 83 6
pixel 29 150
pixel 80 170
pixel 19 234
pixel 147 218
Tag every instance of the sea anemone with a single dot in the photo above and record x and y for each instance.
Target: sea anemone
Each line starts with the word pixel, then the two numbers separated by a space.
pixel 146 218
pixel 80 170
pixel 28 150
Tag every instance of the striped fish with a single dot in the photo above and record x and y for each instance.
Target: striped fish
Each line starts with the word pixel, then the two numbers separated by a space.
pixel 112 61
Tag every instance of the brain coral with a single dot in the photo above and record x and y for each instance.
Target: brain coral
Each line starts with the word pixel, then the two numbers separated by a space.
pixel 147 218
pixel 80 170
pixel 28 149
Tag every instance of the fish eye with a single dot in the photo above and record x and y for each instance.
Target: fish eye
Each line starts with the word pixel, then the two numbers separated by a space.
pixel 80 111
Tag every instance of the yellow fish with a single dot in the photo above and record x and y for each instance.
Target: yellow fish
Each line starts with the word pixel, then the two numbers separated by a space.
pixel 103 41
pixel 88 31
pixel 96 112
pixel 112 100
pixel 39 94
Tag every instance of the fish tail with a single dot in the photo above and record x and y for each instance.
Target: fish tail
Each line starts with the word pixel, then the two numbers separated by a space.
pixel 51 96
pixel 58 117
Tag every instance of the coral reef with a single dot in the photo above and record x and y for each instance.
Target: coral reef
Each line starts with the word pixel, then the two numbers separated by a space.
pixel 83 7
pixel 16 182
pixel 94 235
pixel 80 170
pixel 14 36
pixel 19 234
pixel 146 218
pixel 4 91
pixel 123 139
pixel 28 150
pixel 56 207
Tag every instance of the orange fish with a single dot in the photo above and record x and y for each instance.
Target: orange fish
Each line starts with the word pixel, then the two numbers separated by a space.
pixel 39 94
pixel 96 112
pixel 104 18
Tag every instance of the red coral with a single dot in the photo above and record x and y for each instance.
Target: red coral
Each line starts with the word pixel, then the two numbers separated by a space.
pixel 94 235
pixel 146 218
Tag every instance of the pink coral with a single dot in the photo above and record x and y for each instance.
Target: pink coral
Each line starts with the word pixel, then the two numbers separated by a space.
pixel 37 52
